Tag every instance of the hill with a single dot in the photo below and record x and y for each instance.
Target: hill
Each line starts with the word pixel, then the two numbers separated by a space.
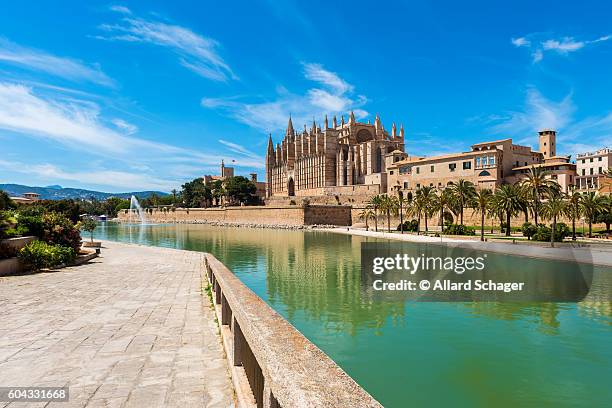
pixel 56 192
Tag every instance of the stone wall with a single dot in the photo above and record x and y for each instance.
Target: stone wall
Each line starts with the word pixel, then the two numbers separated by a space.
pixel 256 215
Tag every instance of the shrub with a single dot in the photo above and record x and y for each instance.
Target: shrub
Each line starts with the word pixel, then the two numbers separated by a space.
pixel 60 230
pixel 543 232
pixel 529 230
pixel 409 226
pixel 32 224
pixel 458 229
pixel 38 254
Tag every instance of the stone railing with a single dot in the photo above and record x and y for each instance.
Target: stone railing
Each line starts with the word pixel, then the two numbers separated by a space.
pixel 282 367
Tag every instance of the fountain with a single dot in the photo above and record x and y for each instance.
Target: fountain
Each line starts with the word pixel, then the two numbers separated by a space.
pixel 135 207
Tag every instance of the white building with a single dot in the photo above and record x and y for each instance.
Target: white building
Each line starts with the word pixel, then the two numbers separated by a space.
pixel 590 167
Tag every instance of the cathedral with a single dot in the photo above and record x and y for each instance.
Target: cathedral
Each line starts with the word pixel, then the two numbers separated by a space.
pixel 344 158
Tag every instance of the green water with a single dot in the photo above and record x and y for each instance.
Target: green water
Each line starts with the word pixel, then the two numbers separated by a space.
pixel 414 354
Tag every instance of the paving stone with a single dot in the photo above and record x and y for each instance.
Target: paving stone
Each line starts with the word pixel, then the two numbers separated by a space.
pixel 129 329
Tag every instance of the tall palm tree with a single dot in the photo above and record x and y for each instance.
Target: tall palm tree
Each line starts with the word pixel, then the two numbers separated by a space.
pixel 507 201
pixel 590 206
pixel 553 208
pixel 573 209
pixel 426 196
pixel 443 203
pixel 366 214
pixel 525 200
pixel 389 206
pixel 606 211
pixel 535 185
pixel 463 190
pixel 375 203
pixel 403 204
pixel 482 202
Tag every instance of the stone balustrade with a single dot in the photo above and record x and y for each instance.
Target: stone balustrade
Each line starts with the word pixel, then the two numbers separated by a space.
pixel 281 366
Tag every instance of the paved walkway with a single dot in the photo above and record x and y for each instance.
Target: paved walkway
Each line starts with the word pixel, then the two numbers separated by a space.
pixel 130 329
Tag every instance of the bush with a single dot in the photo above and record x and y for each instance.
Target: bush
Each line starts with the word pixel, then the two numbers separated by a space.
pixel 37 255
pixel 32 224
pixel 529 230
pixel 543 232
pixel 409 226
pixel 458 229
pixel 59 230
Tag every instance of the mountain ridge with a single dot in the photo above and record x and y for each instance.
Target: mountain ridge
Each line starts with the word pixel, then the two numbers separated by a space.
pixel 56 192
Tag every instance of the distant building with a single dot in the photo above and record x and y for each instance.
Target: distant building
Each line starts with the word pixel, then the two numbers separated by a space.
pixel 27 198
pixel 226 172
pixel 591 168
pixel 487 165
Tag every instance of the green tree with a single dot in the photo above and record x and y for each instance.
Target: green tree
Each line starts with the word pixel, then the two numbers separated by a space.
pixel 552 209
pixel 5 201
pixel 443 203
pixel 88 224
pixel 375 203
pixel 590 205
pixel 389 206
pixel 573 209
pixel 463 191
pixel 507 201
pixel 195 194
pixel 240 189
pixel 605 213
pixel 535 186
pixel 365 215
pixel 426 196
pixel 481 203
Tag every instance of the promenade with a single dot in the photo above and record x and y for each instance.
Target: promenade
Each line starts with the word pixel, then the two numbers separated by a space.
pixel 129 329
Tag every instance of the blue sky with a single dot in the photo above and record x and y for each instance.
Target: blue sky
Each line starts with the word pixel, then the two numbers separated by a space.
pixel 120 96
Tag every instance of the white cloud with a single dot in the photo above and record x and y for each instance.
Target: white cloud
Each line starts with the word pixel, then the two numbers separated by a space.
pixel 197 53
pixel 120 9
pixel 62 67
pixel 563 46
pixel 574 135
pixel 128 128
pixel 79 125
pixel 241 150
pixel 521 42
pixel 332 95
pixel 111 179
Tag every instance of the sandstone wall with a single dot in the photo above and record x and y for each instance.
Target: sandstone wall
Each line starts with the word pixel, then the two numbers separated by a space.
pixel 264 215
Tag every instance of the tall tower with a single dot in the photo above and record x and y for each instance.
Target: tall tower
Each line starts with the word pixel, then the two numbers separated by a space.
pixel 548 143
pixel 270 161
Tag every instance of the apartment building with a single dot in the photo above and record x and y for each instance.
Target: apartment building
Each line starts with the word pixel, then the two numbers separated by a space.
pixel 591 168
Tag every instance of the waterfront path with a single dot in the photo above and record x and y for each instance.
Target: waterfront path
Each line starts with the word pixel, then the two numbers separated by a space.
pixel 130 329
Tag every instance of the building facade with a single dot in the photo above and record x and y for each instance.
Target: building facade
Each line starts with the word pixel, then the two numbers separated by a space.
pixel 227 172
pixel 487 165
pixel 346 158
pixel 592 168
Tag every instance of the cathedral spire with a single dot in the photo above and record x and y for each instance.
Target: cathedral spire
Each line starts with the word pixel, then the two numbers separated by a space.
pixel 290 126
pixel 335 122
pixel 270 144
pixel 342 120
pixel 326 123
pixel 352 118
pixel 402 130
pixel 377 123
pixel 394 130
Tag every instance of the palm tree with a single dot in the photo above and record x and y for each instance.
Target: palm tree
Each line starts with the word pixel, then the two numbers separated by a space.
pixel 366 214
pixel 535 185
pixel 525 200
pixel 174 195
pixel 375 203
pixel 573 209
pixel 590 206
pixel 507 201
pixel 463 190
pixel 403 203
pixel 426 196
pixel 443 202
pixel 389 206
pixel 482 203
pixel 553 208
